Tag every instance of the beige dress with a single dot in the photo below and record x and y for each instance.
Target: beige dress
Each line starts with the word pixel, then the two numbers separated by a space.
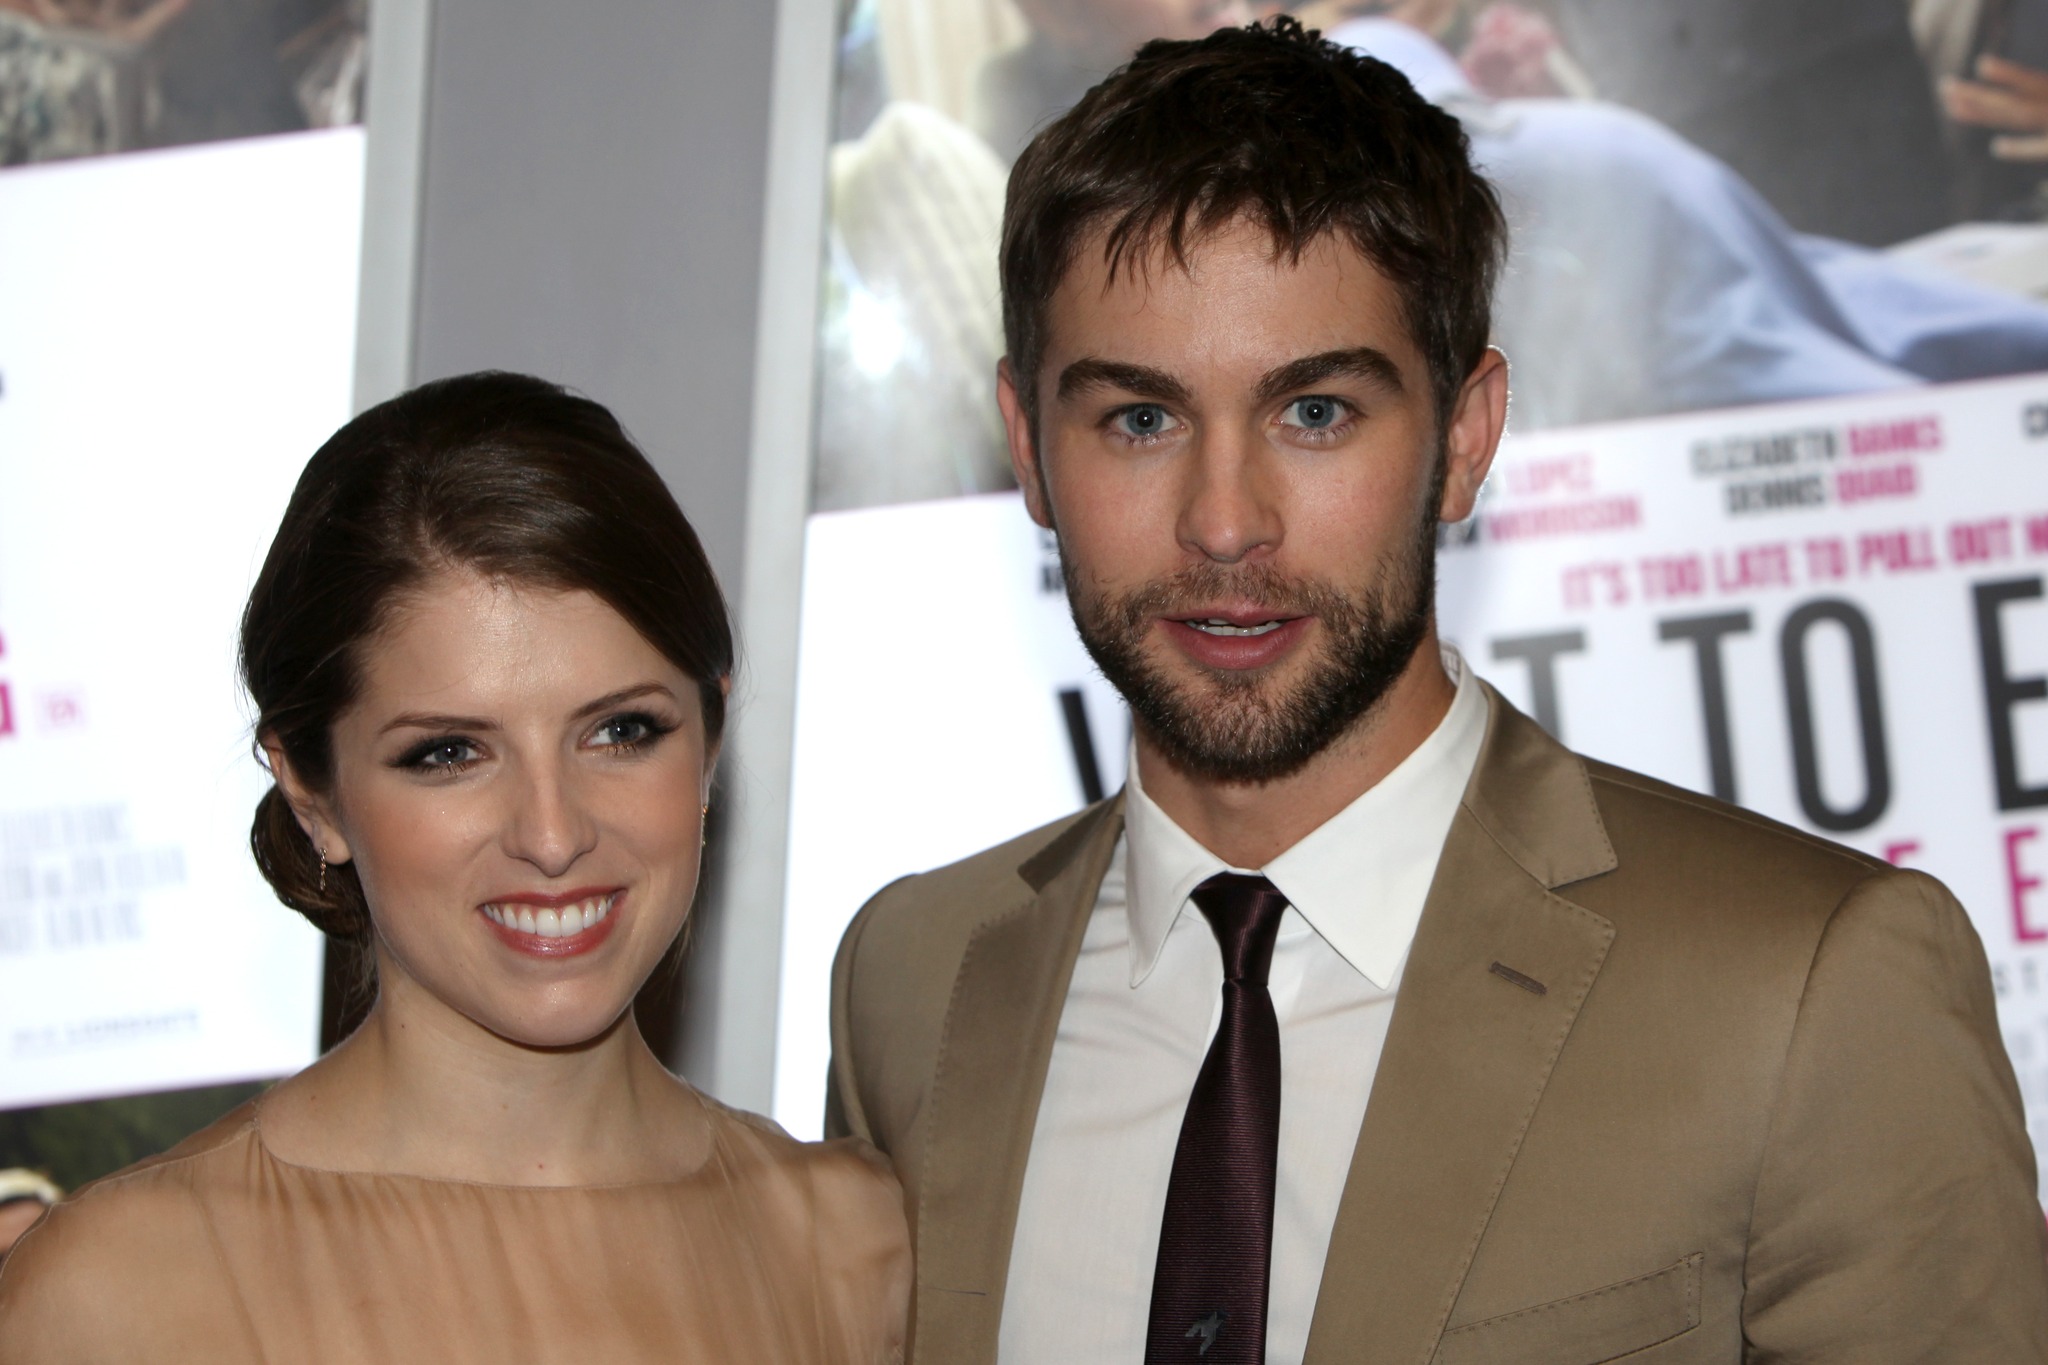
pixel 772 1251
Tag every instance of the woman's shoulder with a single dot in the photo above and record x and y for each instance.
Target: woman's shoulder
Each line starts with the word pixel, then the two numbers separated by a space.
pixel 165 1184
pixel 840 1161
pixel 226 1135
pixel 841 1209
pixel 95 1258
pixel 849 1185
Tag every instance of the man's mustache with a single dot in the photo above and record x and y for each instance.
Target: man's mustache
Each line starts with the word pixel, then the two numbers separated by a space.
pixel 1207 585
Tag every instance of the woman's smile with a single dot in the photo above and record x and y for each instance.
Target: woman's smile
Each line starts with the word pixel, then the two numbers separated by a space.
pixel 565 925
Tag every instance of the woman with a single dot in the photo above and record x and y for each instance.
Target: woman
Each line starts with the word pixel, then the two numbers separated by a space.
pixel 490 665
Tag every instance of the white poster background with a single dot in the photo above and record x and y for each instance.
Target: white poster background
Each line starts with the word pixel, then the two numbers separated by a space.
pixel 176 338
pixel 935 642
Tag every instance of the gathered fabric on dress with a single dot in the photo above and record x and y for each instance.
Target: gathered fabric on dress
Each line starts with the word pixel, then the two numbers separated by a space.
pixel 770 1250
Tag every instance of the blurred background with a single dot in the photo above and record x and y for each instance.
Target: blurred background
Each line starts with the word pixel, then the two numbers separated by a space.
pixel 1777 282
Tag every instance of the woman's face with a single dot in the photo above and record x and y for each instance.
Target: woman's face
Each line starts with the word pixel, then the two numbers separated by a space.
pixel 519 786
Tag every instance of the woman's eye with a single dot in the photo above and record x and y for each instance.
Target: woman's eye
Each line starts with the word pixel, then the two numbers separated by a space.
pixel 1315 414
pixel 623 731
pixel 1142 420
pixel 629 732
pixel 441 754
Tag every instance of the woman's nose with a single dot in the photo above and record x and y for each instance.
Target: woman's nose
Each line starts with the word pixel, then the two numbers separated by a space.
pixel 549 826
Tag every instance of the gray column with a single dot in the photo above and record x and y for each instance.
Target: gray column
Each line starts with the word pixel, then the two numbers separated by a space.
pixel 583 192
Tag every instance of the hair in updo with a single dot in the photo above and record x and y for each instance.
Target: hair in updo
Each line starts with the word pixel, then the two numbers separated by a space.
pixel 509 476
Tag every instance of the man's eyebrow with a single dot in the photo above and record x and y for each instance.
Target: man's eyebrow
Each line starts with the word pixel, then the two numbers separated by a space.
pixel 421 720
pixel 1359 362
pixel 1092 372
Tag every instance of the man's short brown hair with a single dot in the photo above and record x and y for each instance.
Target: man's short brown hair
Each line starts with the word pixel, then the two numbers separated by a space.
pixel 1274 124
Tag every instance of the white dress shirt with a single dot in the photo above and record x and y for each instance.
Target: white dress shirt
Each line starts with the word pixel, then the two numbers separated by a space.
pixel 1141 1008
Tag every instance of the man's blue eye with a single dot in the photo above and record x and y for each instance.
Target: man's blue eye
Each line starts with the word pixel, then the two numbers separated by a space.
pixel 1316 414
pixel 1144 420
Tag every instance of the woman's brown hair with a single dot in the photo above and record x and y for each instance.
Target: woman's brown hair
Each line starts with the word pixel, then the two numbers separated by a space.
pixel 506 475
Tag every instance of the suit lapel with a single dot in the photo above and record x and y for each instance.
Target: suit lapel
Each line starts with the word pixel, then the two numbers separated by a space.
pixel 1498 970
pixel 990 1073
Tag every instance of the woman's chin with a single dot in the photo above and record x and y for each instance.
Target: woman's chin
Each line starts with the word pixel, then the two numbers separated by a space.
pixel 579 1027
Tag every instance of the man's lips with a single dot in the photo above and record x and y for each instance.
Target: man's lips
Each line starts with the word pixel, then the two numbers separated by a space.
pixel 1236 639
pixel 554 925
pixel 1238 622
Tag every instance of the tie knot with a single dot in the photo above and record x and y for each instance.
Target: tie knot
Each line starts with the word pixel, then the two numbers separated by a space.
pixel 1244 911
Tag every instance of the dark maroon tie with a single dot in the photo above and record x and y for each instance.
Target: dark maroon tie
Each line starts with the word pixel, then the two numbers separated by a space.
pixel 1216 1239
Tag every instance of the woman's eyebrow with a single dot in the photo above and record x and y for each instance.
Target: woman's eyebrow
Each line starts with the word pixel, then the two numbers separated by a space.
pixel 421 720
pixel 622 696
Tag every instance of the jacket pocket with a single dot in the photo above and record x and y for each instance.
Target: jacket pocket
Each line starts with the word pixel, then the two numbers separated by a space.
pixel 1586 1329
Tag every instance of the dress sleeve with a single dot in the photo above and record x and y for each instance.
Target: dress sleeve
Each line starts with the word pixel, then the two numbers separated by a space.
pixel 124 1271
pixel 18 1270
pixel 863 1255
pixel 54 1288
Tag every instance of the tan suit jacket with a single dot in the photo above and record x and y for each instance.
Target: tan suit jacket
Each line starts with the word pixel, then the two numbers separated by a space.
pixel 1750 1102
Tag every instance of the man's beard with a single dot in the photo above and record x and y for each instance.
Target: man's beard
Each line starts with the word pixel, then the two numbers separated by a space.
pixel 1235 726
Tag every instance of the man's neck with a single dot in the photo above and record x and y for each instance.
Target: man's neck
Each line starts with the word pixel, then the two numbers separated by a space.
pixel 1249 824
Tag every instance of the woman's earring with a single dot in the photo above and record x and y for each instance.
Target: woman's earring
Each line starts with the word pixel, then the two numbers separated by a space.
pixel 323 868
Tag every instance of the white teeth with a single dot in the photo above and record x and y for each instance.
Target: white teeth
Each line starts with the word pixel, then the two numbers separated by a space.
pixel 566 922
pixel 1215 626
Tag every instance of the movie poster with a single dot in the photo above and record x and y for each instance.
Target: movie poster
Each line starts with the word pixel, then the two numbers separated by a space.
pixel 84 78
pixel 1771 522
pixel 180 219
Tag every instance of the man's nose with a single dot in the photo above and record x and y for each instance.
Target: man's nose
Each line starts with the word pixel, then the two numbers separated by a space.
pixel 548 825
pixel 1229 511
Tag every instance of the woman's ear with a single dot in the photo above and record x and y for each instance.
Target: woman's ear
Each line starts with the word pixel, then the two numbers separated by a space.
pixel 315 813
pixel 714 747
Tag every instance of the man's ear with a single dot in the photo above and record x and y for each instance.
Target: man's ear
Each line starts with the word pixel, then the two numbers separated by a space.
pixel 315 813
pixel 1017 427
pixel 1473 435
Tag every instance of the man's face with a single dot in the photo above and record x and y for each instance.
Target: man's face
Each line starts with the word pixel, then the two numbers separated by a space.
pixel 1242 461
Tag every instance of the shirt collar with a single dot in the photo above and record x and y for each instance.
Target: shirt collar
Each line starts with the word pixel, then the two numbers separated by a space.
pixel 1359 879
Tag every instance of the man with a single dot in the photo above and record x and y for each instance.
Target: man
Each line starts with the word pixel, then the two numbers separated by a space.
pixel 1648 1076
